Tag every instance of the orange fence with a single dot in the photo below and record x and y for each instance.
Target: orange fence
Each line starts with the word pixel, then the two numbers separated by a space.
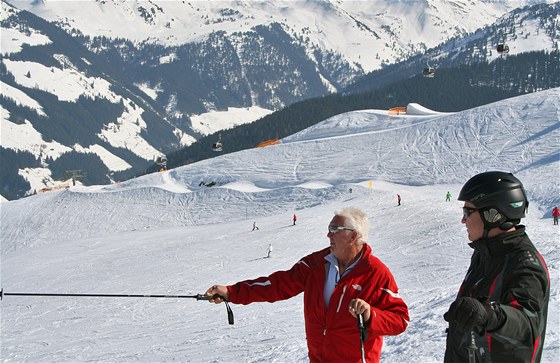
pixel 269 142
pixel 56 187
pixel 397 110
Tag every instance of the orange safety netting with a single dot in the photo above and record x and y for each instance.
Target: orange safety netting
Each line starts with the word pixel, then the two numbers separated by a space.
pixel 397 110
pixel 269 142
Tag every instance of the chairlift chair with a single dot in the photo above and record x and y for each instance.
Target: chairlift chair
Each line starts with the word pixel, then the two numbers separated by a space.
pixel 217 146
pixel 429 72
pixel 502 48
pixel 162 162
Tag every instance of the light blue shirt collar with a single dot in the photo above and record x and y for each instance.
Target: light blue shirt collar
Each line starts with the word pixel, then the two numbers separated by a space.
pixel 333 275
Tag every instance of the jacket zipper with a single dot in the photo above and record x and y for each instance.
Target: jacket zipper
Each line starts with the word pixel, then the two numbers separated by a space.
pixel 339 304
pixel 341 297
pixel 338 307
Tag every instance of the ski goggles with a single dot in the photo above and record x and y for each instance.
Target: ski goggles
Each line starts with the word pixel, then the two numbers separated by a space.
pixel 335 229
pixel 467 211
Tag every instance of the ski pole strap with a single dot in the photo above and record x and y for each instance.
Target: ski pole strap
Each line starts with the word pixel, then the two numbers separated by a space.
pixel 229 313
pixel 228 308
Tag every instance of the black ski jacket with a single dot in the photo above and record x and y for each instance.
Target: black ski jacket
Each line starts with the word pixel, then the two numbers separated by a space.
pixel 508 270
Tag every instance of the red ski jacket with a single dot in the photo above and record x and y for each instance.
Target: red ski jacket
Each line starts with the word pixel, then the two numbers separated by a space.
pixel 332 333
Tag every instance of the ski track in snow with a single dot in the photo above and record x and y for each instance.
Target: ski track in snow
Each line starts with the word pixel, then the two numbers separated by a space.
pixel 164 234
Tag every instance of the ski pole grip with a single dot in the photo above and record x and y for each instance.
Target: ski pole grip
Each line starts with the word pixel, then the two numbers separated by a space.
pixel 360 318
pixel 362 327
pixel 206 297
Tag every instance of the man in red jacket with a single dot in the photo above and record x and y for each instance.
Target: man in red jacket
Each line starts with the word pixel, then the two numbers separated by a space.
pixel 339 282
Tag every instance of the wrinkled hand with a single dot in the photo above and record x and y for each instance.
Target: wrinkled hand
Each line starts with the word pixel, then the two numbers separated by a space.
pixel 218 290
pixel 468 313
pixel 359 306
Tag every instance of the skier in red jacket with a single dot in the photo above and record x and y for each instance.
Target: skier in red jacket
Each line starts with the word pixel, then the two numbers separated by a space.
pixel 338 282
pixel 555 214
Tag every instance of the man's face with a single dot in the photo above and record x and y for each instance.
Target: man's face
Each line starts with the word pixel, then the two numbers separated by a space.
pixel 341 240
pixel 473 222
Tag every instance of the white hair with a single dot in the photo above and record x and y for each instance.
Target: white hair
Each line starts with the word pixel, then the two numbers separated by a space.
pixel 356 219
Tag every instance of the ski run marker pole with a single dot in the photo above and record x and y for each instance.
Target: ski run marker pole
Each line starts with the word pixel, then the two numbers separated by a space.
pixel 197 297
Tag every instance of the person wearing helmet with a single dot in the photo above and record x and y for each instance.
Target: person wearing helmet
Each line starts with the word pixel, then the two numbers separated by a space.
pixel 500 312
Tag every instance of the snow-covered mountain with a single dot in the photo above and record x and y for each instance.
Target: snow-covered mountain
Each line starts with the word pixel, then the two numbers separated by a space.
pixel 523 31
pixel 365 33
pixel 128 81
pixel 164 233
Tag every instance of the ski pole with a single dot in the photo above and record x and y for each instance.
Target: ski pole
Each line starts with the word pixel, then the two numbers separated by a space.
pixel 472 346
pixel 197 297
pixel 363 335
pixel 472 349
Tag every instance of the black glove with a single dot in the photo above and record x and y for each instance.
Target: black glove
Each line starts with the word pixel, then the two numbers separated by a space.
pixel 468 313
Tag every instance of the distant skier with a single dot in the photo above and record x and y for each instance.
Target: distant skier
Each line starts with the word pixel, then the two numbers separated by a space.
pixel 295 219
pixel 398 200
pixel 448 197
pixel 555 214
pixel 269 250
pixel 255 226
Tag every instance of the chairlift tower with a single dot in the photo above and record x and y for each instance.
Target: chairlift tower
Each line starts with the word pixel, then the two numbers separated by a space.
pixel 74 175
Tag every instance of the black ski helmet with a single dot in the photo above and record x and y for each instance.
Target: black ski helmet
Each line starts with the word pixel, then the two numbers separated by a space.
pixel 499 196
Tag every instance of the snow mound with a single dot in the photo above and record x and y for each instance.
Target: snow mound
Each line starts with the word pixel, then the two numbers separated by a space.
pixel 416 109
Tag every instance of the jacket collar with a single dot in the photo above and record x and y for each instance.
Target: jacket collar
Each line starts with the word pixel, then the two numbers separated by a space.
pixel 500 244
pixel 365 252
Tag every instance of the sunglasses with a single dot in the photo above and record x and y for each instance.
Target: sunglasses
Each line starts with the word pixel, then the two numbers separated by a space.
pixel 335 229
pixel 467 211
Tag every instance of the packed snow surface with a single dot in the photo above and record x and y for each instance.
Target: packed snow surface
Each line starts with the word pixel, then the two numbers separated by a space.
pixel 166 233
